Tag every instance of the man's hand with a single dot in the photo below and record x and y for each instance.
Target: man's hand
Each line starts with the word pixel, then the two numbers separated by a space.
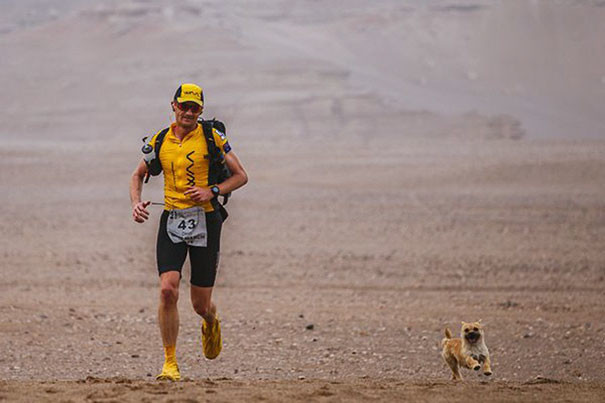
pixel 139 212
pixel 199 195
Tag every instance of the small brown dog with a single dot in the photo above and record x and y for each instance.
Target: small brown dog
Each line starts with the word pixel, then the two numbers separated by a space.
pixel 468 351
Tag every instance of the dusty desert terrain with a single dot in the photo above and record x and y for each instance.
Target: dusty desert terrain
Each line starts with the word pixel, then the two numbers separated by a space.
pixel 412 164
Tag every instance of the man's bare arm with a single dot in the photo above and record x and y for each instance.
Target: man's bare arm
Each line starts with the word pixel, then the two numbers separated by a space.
pixel 239 176
pixel 139 211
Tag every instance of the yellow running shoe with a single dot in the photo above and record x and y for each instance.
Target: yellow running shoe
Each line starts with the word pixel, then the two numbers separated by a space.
pixel 211 339
pixel 170 372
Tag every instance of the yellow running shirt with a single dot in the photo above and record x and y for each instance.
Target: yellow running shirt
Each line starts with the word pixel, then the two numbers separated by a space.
pixel 185 164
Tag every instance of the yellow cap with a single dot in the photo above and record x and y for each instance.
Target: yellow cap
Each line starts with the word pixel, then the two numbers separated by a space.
pixel 189 93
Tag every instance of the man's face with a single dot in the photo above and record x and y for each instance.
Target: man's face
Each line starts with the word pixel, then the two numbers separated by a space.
pixel 186 113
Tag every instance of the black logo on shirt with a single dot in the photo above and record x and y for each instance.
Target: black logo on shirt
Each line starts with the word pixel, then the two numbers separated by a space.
pixel 190 175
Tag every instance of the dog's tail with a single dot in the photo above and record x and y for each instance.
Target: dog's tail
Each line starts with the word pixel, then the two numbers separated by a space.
pixel 448 335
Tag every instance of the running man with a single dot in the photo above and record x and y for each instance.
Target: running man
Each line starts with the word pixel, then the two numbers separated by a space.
pixel 192 218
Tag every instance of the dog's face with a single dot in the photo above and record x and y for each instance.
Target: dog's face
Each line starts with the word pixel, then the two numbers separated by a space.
pixel 471 332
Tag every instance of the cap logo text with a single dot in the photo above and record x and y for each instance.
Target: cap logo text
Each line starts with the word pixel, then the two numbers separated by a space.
pixel 194 93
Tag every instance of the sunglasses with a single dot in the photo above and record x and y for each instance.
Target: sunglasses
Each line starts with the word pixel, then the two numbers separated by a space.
pixel 186 106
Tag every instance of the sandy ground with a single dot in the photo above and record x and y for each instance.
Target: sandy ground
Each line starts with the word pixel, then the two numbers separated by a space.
pixel 377 213
pixel 226 390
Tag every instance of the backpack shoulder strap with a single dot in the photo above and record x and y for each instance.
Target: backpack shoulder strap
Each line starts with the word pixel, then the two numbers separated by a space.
pixel 158 142
pixel 214 153
pixel 207 126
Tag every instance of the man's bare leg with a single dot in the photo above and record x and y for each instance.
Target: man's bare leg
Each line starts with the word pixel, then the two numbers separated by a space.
pixel 168 317
pixel 201 298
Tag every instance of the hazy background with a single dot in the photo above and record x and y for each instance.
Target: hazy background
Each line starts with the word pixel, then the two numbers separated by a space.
pixel 105 71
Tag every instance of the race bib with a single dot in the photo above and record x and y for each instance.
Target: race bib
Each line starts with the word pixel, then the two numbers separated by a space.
pixel 188 225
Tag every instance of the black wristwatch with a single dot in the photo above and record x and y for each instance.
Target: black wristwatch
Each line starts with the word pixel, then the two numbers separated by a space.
pixel 215 190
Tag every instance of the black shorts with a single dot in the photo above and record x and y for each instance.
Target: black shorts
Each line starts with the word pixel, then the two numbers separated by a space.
pixel 204 260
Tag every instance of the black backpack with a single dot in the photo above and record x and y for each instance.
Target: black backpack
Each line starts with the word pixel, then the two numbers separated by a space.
pixel 218 171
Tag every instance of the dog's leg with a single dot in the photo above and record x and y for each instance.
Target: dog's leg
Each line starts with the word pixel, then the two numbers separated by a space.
pixel 472 363
pixel 487 369
pixel 453 364
pixel 456 376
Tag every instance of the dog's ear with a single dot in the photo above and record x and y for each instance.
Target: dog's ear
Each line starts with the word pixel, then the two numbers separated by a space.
pixel 479 321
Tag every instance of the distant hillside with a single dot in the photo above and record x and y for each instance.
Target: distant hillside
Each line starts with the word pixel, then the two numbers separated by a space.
pixel 296 68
